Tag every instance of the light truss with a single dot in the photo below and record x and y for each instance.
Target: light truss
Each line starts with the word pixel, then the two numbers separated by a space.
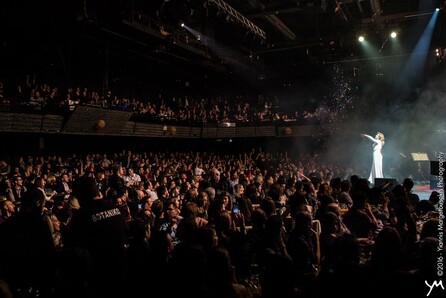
pixel 229 10
pixel 273 19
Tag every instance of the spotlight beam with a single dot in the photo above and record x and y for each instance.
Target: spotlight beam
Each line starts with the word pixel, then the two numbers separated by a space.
pixel 414 66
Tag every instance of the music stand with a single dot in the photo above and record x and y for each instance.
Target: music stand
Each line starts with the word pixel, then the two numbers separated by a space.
pixel 418 156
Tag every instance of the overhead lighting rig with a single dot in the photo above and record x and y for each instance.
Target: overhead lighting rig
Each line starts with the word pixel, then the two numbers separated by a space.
pixel 237 16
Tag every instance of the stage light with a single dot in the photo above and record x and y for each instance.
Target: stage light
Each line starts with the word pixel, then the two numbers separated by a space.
pixel 361 38
pixel 182 24
pixel 393 34
pixel 437 9
pixel 439 55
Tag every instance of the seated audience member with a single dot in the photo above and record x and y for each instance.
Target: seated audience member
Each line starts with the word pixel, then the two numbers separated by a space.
pixel 360 219
pixel 303 247
pixel 413 198
pixel 344 196
pixel 430 228
pixel 425 206
pixel 29 254
pixel 220 278
pixel 330 229
pixel 341 274
pixel 426 272
pixel 379 201
pixel 404 219
pixel 333 207
pixel 279 278
pixel 7 209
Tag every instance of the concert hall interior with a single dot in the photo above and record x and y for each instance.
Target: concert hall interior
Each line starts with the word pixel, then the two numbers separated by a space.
pixel 187 107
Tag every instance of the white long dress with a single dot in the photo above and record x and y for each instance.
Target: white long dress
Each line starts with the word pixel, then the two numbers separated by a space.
pixel 377 164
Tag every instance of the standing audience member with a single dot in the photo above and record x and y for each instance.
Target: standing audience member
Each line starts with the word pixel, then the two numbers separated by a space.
pixel 99 227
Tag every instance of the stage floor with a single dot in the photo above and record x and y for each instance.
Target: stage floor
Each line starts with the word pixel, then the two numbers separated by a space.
pixel 423 190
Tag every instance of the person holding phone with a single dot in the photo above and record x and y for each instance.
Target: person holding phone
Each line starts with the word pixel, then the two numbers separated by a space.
pixel 235 209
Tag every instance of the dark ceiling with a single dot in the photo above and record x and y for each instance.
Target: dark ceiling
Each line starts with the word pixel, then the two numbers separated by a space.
pixel 259 38
pixel 302 32
pixel 287 23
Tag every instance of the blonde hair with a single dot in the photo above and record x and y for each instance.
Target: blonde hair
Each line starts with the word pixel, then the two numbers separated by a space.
pixel 380 136
pixel 51 179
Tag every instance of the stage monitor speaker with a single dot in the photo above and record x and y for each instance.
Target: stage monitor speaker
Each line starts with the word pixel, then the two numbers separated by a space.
pixel 433 183
pixel 435 168
pixel 387 183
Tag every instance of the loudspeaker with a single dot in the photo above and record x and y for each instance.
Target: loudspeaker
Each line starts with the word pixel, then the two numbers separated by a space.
pixel 435 168
pixel 387 183
pixel 433 184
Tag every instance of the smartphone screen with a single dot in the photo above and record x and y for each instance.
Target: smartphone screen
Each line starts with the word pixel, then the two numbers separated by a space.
pixel 235 208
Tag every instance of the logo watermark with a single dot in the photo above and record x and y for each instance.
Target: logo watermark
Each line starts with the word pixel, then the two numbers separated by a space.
pixel 440 248
pixel 434 284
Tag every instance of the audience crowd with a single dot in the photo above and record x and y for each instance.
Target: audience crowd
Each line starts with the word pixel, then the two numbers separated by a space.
pixel 204 224
pixel 162 108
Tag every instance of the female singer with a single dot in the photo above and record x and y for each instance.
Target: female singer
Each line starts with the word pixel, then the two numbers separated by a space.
pixel 377 165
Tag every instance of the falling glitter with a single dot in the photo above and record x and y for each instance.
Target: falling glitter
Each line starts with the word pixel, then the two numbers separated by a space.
pixel 342 96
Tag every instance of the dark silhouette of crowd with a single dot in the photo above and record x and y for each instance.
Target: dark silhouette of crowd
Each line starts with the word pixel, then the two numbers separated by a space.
pixel 258 224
